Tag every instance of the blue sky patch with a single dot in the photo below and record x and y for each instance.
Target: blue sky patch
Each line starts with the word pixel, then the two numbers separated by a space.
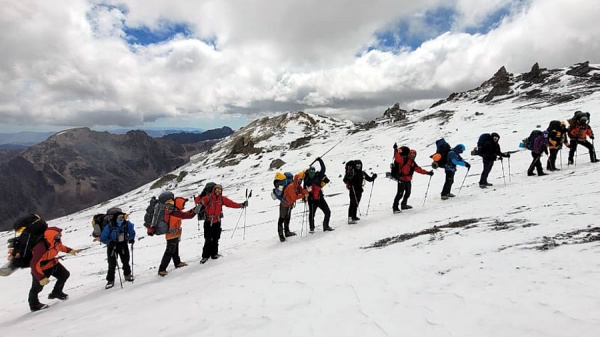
pixel 166 31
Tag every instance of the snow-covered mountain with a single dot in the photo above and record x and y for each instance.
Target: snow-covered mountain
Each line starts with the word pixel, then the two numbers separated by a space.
pixel 518 259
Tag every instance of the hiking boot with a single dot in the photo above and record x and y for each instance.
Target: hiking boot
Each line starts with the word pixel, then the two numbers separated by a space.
pixel 351 221
pixel 109 285
pixel 288 234
pixel 530 174
pixel 129 278
pixel 327 229
pixel 405 206
pixel 570 162
pixel 203 260
pixel 445 197
pixel 488 184
pixel 216 256
pixel 542 174
pixel 162 273
pixel 61 296
pixel 38 307
pixel 450 195
pixel 355 218
pixel 396 211
pixel 311 230
pixel 181 264
pixel 482 186
pixel 281 237
pixel 595 160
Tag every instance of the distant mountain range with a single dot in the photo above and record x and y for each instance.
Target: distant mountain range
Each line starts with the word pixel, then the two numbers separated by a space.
pixel 77 168
pixel 20 140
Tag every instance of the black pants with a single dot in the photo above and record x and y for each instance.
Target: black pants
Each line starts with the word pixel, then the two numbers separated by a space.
pixel 285 214
pixel 551 163
pixel 313 205
pixel 404 189
pixel 448 183
pixel 171 253
pixel 58 271
pixel 355 196
pixel 212 234
pixel 113 250
pixel 487 167
pixel 587 145
pixel 536 163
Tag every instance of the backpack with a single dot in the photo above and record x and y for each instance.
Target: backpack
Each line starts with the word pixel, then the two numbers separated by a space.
pixel 482 139
pixel 528 142
pixel 553 126
pixel 158 213
pixel 441 153
pixel 281 181
pixel 205 191
pixel 350 170
pixel 394 166
pixel 32 229
pixel 579 114
pixel 100 220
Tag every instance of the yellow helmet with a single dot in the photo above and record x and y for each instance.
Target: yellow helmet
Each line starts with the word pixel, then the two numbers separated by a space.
pixel 279 176
pixel 301 174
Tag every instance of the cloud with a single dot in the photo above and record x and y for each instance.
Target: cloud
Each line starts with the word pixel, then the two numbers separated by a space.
pixel 83 63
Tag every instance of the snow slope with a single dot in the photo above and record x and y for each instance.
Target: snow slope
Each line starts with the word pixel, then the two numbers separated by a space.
pixel 519 259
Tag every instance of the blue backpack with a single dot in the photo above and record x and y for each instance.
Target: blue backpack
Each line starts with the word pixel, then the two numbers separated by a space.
pixel 280 185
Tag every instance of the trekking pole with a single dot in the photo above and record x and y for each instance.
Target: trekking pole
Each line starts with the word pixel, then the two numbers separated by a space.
pixel 370 194
pixel 356 200
pixel 326 152
pixel 117 263
pixel 463 182
pixel 509 175
pixel 240 217
pixel 503 176
pixel 303 214
pixel 132 261
pixel 246 211
pixel 427 190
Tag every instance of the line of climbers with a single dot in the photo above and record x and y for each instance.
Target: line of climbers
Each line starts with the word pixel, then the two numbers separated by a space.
pixel 38 245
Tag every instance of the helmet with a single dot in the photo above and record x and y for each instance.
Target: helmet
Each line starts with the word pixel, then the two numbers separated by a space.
pixel 300 174
pixel 279 176
pixel 583 120
pixel 460 148
pixel 311 172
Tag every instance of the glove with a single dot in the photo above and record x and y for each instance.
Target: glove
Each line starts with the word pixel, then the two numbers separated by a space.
pixel 507 155
pixel 132 241
pixel 245 204
pixel 150 231
pixel 197 208
pixel 592 137
pixel 468 165
pixel 309 188
pixel 430 173
pixel 74 251
pixel 44 281
pixel 395 147
pixel 347 186
pixel 374 176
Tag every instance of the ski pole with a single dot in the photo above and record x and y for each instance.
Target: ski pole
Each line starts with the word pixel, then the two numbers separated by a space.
pixel 370 194
pixel 463 182
pixel 427 190
pixel 503 176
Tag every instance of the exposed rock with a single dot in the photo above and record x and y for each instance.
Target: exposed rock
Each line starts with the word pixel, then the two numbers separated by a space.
pixel 500 83
pixel 581 69
pixel 276 164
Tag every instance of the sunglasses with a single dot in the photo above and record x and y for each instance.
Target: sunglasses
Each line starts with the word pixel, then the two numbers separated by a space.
pixel 218 190
pixel 121 217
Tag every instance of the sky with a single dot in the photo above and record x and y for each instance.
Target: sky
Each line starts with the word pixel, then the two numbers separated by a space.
pixel 488 278
pixel 137 63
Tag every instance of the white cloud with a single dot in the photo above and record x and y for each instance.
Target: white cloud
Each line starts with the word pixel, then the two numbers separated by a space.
pixel 67 62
